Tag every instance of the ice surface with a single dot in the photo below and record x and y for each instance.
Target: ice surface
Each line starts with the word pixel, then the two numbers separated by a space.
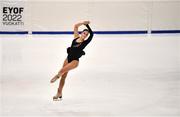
pixel 118 76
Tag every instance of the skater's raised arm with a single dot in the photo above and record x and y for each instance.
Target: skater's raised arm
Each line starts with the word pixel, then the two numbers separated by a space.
pixel 90 31
pixel 76 26
pixel 86 42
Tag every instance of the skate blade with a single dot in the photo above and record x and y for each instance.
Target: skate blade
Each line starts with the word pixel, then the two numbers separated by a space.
pixel 59 99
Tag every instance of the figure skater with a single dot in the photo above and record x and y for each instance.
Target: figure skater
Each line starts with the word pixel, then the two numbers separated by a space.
pixel 74 53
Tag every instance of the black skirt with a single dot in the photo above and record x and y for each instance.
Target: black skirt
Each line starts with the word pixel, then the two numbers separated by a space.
pixel 74 54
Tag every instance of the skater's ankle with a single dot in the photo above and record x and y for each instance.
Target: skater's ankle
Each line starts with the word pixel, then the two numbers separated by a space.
pixel 59 92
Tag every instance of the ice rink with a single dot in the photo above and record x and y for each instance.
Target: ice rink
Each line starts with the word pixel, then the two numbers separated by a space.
pixel 120 75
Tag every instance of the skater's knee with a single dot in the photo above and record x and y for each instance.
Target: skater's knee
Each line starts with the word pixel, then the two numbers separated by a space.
pixel 64 76
pixel 61 71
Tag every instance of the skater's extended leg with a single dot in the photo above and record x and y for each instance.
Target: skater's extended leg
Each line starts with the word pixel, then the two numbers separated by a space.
pixel 57 76
pixel 64 72
pixel 62 82
pixel 61 85
pixel 73 64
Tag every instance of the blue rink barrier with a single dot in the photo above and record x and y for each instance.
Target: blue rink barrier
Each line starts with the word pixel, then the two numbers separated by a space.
pixel 164 31
pixel 13 32
pixel 52 32
pixel 95 32
pixel 121 32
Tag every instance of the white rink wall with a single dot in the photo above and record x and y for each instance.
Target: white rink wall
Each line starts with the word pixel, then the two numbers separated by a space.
pixel 105 15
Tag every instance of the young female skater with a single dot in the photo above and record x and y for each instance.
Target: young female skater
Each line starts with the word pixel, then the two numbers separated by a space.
pixel 74 53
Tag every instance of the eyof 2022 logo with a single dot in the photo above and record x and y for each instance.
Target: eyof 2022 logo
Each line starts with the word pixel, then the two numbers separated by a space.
pixel 12 15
